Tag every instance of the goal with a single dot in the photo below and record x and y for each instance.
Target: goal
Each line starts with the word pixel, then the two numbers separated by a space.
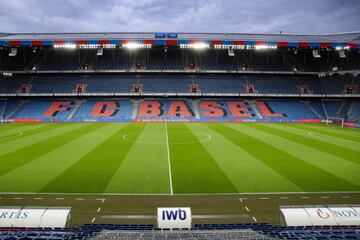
pixel 335 121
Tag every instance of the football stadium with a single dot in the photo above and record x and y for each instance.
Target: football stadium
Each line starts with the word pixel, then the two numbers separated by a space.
pixel 170 135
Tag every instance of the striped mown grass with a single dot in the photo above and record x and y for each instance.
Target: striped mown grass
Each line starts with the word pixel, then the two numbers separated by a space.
pixel 135 158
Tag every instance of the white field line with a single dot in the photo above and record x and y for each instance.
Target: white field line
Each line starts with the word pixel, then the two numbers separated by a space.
pixel 179 194
pixel 168 158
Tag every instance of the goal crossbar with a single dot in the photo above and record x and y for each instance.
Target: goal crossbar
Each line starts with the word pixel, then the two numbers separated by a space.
pixel 335 121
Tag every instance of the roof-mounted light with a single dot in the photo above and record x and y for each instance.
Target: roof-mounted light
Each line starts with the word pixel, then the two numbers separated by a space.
pixel 222 46
pixel 135 45
pixel 89 46
pixel 83 46
pixel 65 46
pixel 339 48
pixel 264 47
pixel 199 45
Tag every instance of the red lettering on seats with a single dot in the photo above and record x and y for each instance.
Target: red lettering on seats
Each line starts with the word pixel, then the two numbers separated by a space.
pixel 179 109
pixel 213 109
pixel 267 111
pixel 150 109
pixel 239 109
pixel 57 107
pixel 105 109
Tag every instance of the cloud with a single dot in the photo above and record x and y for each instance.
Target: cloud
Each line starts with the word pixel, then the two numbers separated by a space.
pixel 259 16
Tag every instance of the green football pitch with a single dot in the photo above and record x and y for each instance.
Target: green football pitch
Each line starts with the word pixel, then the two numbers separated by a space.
pixel 178 158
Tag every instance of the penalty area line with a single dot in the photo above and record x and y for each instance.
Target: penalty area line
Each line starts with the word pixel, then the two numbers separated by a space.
pixel 168 158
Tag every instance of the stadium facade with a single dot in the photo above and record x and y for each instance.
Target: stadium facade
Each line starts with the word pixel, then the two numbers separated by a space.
pixel 182 77
pixel 271 74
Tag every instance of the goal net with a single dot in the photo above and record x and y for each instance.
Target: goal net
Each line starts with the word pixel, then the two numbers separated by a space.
pixel 335 121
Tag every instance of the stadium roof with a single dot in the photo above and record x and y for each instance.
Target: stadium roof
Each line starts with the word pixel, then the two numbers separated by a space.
pixel 313 40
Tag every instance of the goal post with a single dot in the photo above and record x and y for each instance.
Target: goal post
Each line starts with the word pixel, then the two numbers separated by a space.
pixel 335 121
pixel 3 121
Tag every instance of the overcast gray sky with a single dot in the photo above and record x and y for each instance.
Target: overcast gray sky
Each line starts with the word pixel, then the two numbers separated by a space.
pixel 255 16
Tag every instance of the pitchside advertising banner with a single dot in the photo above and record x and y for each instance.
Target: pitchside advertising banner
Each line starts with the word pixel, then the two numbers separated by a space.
pixel 33 217
pixel 316 216
pixel 174 217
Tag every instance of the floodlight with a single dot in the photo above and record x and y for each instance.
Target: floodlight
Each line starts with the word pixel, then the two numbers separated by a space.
pixel 131 45
pixel 7 74
pixel 70 46
pixel 89 46
pixel 340 48
pixel 263 47
pixel 200 45
pixel 66 46
pixel 134 45
pixel 109 45
pixel 228 46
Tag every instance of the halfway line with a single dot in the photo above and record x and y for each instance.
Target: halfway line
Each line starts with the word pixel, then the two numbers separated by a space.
pixel 168 157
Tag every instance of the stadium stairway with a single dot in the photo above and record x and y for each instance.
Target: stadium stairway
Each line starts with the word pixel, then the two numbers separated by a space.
pixel 312 109
pixel 73 111
pixel 332 107
pixel 292 109
pixel 9 108
pixel 318 107
pixel 3 103
pixel 256 111
pixel 14 110
pixel 195 106
pixel 134 109
pixel 354 111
